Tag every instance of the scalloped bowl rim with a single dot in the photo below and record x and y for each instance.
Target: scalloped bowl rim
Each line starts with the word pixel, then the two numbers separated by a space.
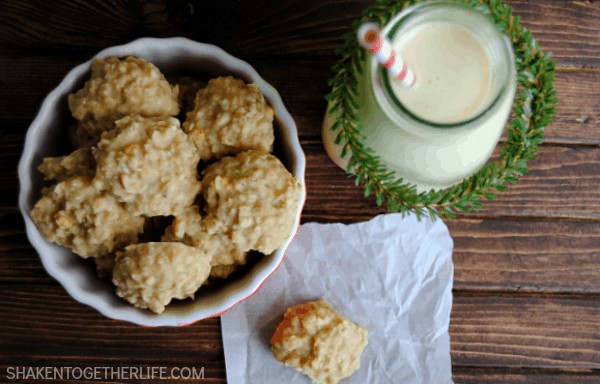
pixel 55 258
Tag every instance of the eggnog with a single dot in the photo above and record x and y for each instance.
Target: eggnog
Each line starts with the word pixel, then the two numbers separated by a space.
pixel 453 69
pixel 446 128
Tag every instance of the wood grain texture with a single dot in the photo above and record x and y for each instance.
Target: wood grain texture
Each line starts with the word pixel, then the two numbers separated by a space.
pixel 472 375
pixel 527 268
pixel 303 85
pixel 46 315
pixel 11 146
pixel 570 29
pixel 259 28
pixel 562 183
pixel 558 332
pixel 519 331
pixel 577 118
pixel 489 255
pixel 45 327
pixel 19 262
pixel 526 255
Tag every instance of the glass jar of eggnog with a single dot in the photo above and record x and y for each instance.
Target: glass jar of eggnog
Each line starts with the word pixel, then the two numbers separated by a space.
pixel 446 128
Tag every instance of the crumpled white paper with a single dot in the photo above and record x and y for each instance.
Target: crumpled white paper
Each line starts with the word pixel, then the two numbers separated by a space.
pixel 391 275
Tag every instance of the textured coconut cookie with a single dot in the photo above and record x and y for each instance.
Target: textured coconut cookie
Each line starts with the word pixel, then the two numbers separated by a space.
pixel 74 214
pixel 150 275
pixel 149 164
pixel 229 117
pixel 190 229
pixel 78 163
pixel 186 227
pixel 223 271
pixel 253 198
pixel 118 88
pixel 317 341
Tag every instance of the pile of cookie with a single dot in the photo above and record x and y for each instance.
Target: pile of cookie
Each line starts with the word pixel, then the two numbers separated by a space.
pixel 194 155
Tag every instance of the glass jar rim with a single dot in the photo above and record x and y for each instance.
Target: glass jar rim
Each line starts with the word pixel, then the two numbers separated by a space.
pixel 396 105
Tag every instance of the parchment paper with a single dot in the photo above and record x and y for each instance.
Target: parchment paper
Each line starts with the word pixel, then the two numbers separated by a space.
pixel 391 275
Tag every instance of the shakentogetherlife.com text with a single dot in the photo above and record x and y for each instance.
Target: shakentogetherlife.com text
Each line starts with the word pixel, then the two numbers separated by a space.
pixel 104 373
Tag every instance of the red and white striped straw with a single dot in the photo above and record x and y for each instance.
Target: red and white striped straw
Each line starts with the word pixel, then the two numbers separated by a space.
pixel 370 37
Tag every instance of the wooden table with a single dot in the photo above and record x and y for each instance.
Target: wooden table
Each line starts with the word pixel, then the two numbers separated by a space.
pixel 527 281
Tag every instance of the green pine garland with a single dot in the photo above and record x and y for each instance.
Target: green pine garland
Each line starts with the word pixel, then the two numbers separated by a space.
pixel 534 109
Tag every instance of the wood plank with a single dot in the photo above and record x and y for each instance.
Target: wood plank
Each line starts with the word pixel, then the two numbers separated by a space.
pixel 559 332
pixel 26 81
pixel 249 27
pixel 303 90
pixel 469 375
pixel 570 29
pixel 214 375
pixel 45 322
pixel 67 25
pixel 520 331
pixel 506 255
pixel 11 147
pixel 562 183
pixel 303 86
pixel 576 122
pixel 258 28
pixel 489 255
pixel 19 262
pixel 577 117
pixel 526 306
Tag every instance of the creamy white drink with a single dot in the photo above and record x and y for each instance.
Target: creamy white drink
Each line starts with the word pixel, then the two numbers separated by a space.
pixel 446 128
pixel 452 69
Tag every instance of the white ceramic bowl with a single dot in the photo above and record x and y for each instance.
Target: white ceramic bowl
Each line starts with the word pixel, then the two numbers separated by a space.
pixel 47 136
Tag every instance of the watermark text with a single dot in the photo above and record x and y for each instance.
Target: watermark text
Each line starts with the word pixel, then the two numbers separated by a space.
pixel 104 373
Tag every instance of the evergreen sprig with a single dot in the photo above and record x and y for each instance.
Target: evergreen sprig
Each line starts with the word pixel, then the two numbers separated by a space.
pixel 534 109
